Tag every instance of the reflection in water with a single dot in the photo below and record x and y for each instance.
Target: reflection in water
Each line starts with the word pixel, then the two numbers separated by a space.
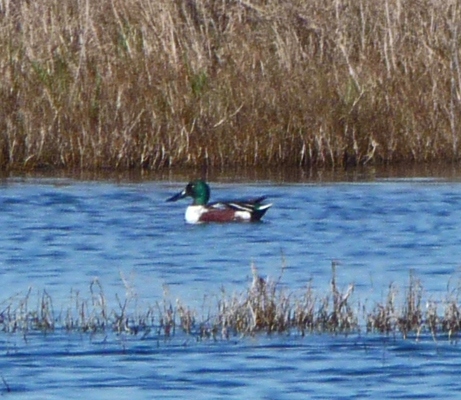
pixel 439 171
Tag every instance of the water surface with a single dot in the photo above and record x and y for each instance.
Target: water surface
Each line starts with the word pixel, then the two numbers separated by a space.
pixel 61 234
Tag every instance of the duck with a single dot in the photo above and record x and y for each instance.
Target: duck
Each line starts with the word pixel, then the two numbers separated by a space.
pixel 200 211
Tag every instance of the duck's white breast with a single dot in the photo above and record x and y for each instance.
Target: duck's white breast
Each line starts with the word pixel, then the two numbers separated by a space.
pixel 193 214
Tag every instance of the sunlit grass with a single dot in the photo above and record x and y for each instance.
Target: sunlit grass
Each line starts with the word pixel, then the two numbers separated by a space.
pixel 266 306
pixel 156 84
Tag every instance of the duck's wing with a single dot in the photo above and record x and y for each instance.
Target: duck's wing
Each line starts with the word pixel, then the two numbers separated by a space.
pixel 218 205
pixel 249 205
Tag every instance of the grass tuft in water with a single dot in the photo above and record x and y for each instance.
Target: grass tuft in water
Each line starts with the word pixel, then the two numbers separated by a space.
pixel 265 307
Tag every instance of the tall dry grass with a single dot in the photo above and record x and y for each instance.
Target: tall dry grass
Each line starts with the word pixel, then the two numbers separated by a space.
pixel 153 84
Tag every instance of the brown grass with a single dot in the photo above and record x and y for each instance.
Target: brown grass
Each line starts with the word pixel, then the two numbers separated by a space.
pixel 265 307
pixel 155 84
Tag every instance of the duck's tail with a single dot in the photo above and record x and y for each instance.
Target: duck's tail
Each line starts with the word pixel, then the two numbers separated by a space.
pixel 259 210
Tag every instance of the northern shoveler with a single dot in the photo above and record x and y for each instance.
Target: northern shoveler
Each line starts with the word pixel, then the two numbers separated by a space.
pixel 221 211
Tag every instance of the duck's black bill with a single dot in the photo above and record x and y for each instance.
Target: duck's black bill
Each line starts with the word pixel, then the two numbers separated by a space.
pixel 177 196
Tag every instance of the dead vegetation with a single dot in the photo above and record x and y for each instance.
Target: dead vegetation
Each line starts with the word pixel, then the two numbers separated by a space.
pixel 157 84
pixel 265 307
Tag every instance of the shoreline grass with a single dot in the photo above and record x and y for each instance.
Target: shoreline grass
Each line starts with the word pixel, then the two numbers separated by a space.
pixel 266 306
pixel 136 84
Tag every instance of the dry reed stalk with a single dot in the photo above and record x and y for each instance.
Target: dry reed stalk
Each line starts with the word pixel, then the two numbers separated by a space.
pixel 383 317
pixel 450 322
pixel 411 317
pixel 432 319
pixel 142 84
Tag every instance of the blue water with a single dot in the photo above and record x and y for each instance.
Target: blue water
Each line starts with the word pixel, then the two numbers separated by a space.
pixel 59 235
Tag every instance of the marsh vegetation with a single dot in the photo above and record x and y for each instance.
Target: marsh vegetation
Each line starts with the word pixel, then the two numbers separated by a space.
pixel 267 306
pixel 154 84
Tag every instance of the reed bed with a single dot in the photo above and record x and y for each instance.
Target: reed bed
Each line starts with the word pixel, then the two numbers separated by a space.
pixel 185 83
pixel 265 307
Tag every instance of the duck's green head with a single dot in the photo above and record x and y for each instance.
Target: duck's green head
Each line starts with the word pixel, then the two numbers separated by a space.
pixel 198 190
